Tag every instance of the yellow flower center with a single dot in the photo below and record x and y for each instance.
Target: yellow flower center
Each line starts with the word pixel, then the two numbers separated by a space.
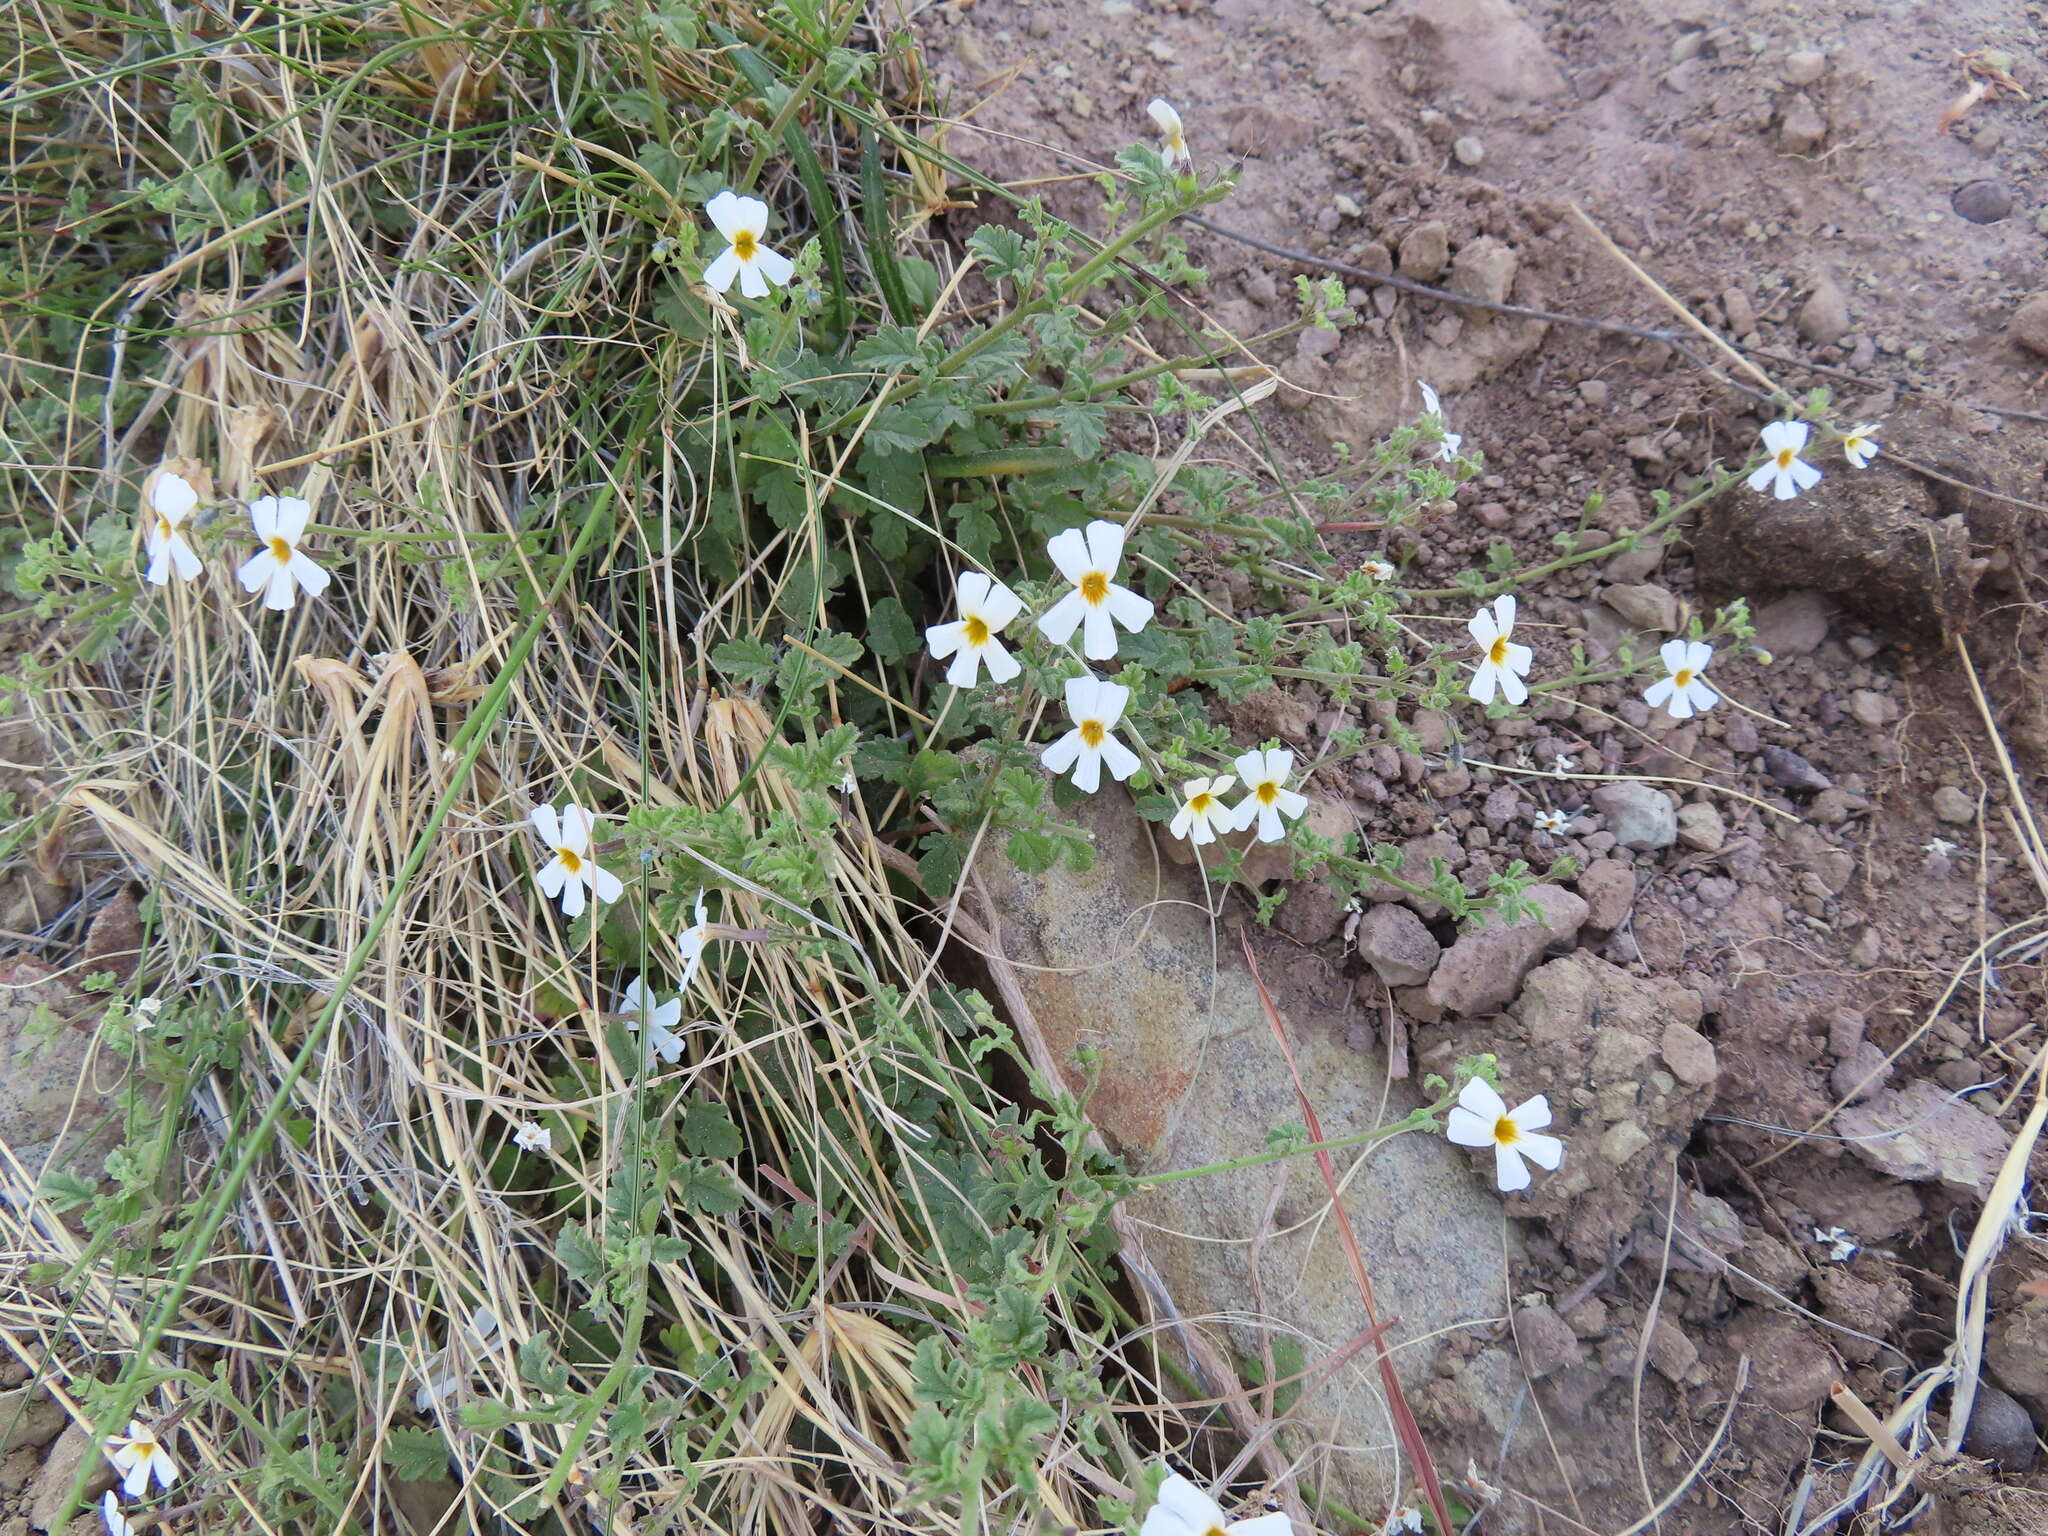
pixel 1095 586
pixel 280 551
pixel 1092 732
pixel 570 859
pixel 1200 803
pixel 1497 653
pixel 743 245
pixel 977 631
pixel 1785 457
pixel 163 526
pixel 1267 792
pixel 1506 1132
pixel 1683 677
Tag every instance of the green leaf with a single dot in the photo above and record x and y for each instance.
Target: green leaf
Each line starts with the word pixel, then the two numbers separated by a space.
pixel 702 1186
pixel 1081 428
pixel 747 660
pixel 413 1455
pixel 579 1256
pixel 892 349
pixel 892 633
pixel 1003 252
pixel 707 1131
pixel 65 1190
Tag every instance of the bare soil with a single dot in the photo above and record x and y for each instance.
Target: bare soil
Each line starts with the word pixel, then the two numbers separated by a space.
pixel 1847 861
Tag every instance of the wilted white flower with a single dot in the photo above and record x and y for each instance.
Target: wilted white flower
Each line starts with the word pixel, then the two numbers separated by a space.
pixel 1684 693
pixel 138 1456
pixel 1560 766
pixel 1377 569
pixel 533 1137
pixel 1446 450
pixel 660 1019
pixel 1840 1245
pixel 1202 814
pixel 1403 1520
pixel 449 1371
pixel 1860 445
pixel 1784 471
pixel 986 606
pixel 1502 664
pixel 1184 1510
pixel 171 503
pixel 690 948
pixel 743 221
pixel 1550 821
pixel 280 569
pixel 1481 1118
pixel 1939 848
pixel 117 1523
pixel 1265 774
pixel 1089 558
pixel 1094 706
pixel 574 868
pixel 1168 122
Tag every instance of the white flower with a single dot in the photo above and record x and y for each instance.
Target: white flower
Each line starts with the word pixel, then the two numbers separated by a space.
pixel 986 606
pixel 1784 471
pixel 533 1137
pixel 1403 1520
pixel 1684 693
pixel 638 1005
pixel 171 503
pixel 1550 821
pixel 1202 814
pixel 280 568
pixel 1859 447
pixel 690 949
pixel 142 1017
pixel 1094 706
pixel 1502 665
pixel 118 1524
pixel 1939 848
pixel 1560 766
pixel 1088 558
pixel 449 1371
pixel 1446 450
pixel 1168 122
pixel 1378 570
pixel 1265 775
pixel 573 868
pixel 1840 1245
pixel 138 1456
pixel 743 221
pixel 1184 1510
pixel 1482 1119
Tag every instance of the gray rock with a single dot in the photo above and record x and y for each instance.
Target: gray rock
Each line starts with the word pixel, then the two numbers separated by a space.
pixel 1644 607
pixel 1689 1054
pixel 1416 854
pixel 1791 771
pixel 1311 913
pixel 2000 1431
pixel 1484 269
pixel 1804 67
pixel 1484 969
pixel 1824 317
pixel 46 1494
pixel 1740 311
pixel 1609 887
pixel 1706 1232
pixel 1547 1341
pixel 38 1074
pixel 1795 625
pixel 1700 827
pixel 1639 815
pixel 2016 1350
pixel 1392 940
pixel 1124 959
pixel 1871 709
pixel 28 1417
pixel 2030 324
pixel 1425 251
pixel 1953 806
pixel 1634 565
pixel 1862 1073
pixel 1468 150
pixel 1802 128
pixel 1982 202
pixel 1919 1133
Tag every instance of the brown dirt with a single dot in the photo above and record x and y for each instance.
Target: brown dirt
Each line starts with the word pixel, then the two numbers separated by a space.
pixel 1804 909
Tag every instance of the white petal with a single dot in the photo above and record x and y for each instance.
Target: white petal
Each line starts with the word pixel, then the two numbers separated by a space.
pixel 263 517
pixel 1182 820
pixel 1130 610
pixel 728 213
pixel 282 591
pixel 293 513
pixel 1513 689
pixel 1780 435
pixel 1088 769
pixel 1483 1100
pixel 1291 803
pixel 1184 1499
pixel 1059 757
pixel 1105 545
pixel 548 824
pixel 607 885
pixel 1098 634
pixel 774 266
pixel 965 671
pixel 1250 766
pixel 1520 658
pixel 1672 654
pixel 1002 666
pixel 1504 612
pixel 1531 1114
pixel 1069 553
pixel 255 572
pixel 136 1483
pixel 1543 1151
pixel 1698 654
pixel 1804 474
pixel 1659 691
pixel 183 559
pixel 1110 699
pixel 942 640
pixel 307 574
pixel 1761 477
pixel 752 284
pixel 999 605
pixel 572 896
pixel 1509 1171
pixel 1680 703
pixel 159 572
pixel 1482 629
pixel 173 498
pixel 1059 622
pixel 723 269
pixel 970 590
pixel 1275 1524
pixel 1120 759
pixel 1702 694
pixel 577 824
pixel 1468 1129
pixel 1162 114
pixel 1429 400
pixel 1161 1521
pixel 1271 828
pixel 1484 681
pixel 551 877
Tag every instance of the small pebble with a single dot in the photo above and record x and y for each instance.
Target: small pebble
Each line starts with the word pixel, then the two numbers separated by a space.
pixel 1468 151
pixel 1982 202
pixel 1804 67
pixel 1953 806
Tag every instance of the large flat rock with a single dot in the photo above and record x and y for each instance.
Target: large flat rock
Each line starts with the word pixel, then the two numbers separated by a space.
pixel 1126 959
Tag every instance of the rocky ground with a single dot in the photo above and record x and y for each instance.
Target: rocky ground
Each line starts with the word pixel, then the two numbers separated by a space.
pixel 1785 994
